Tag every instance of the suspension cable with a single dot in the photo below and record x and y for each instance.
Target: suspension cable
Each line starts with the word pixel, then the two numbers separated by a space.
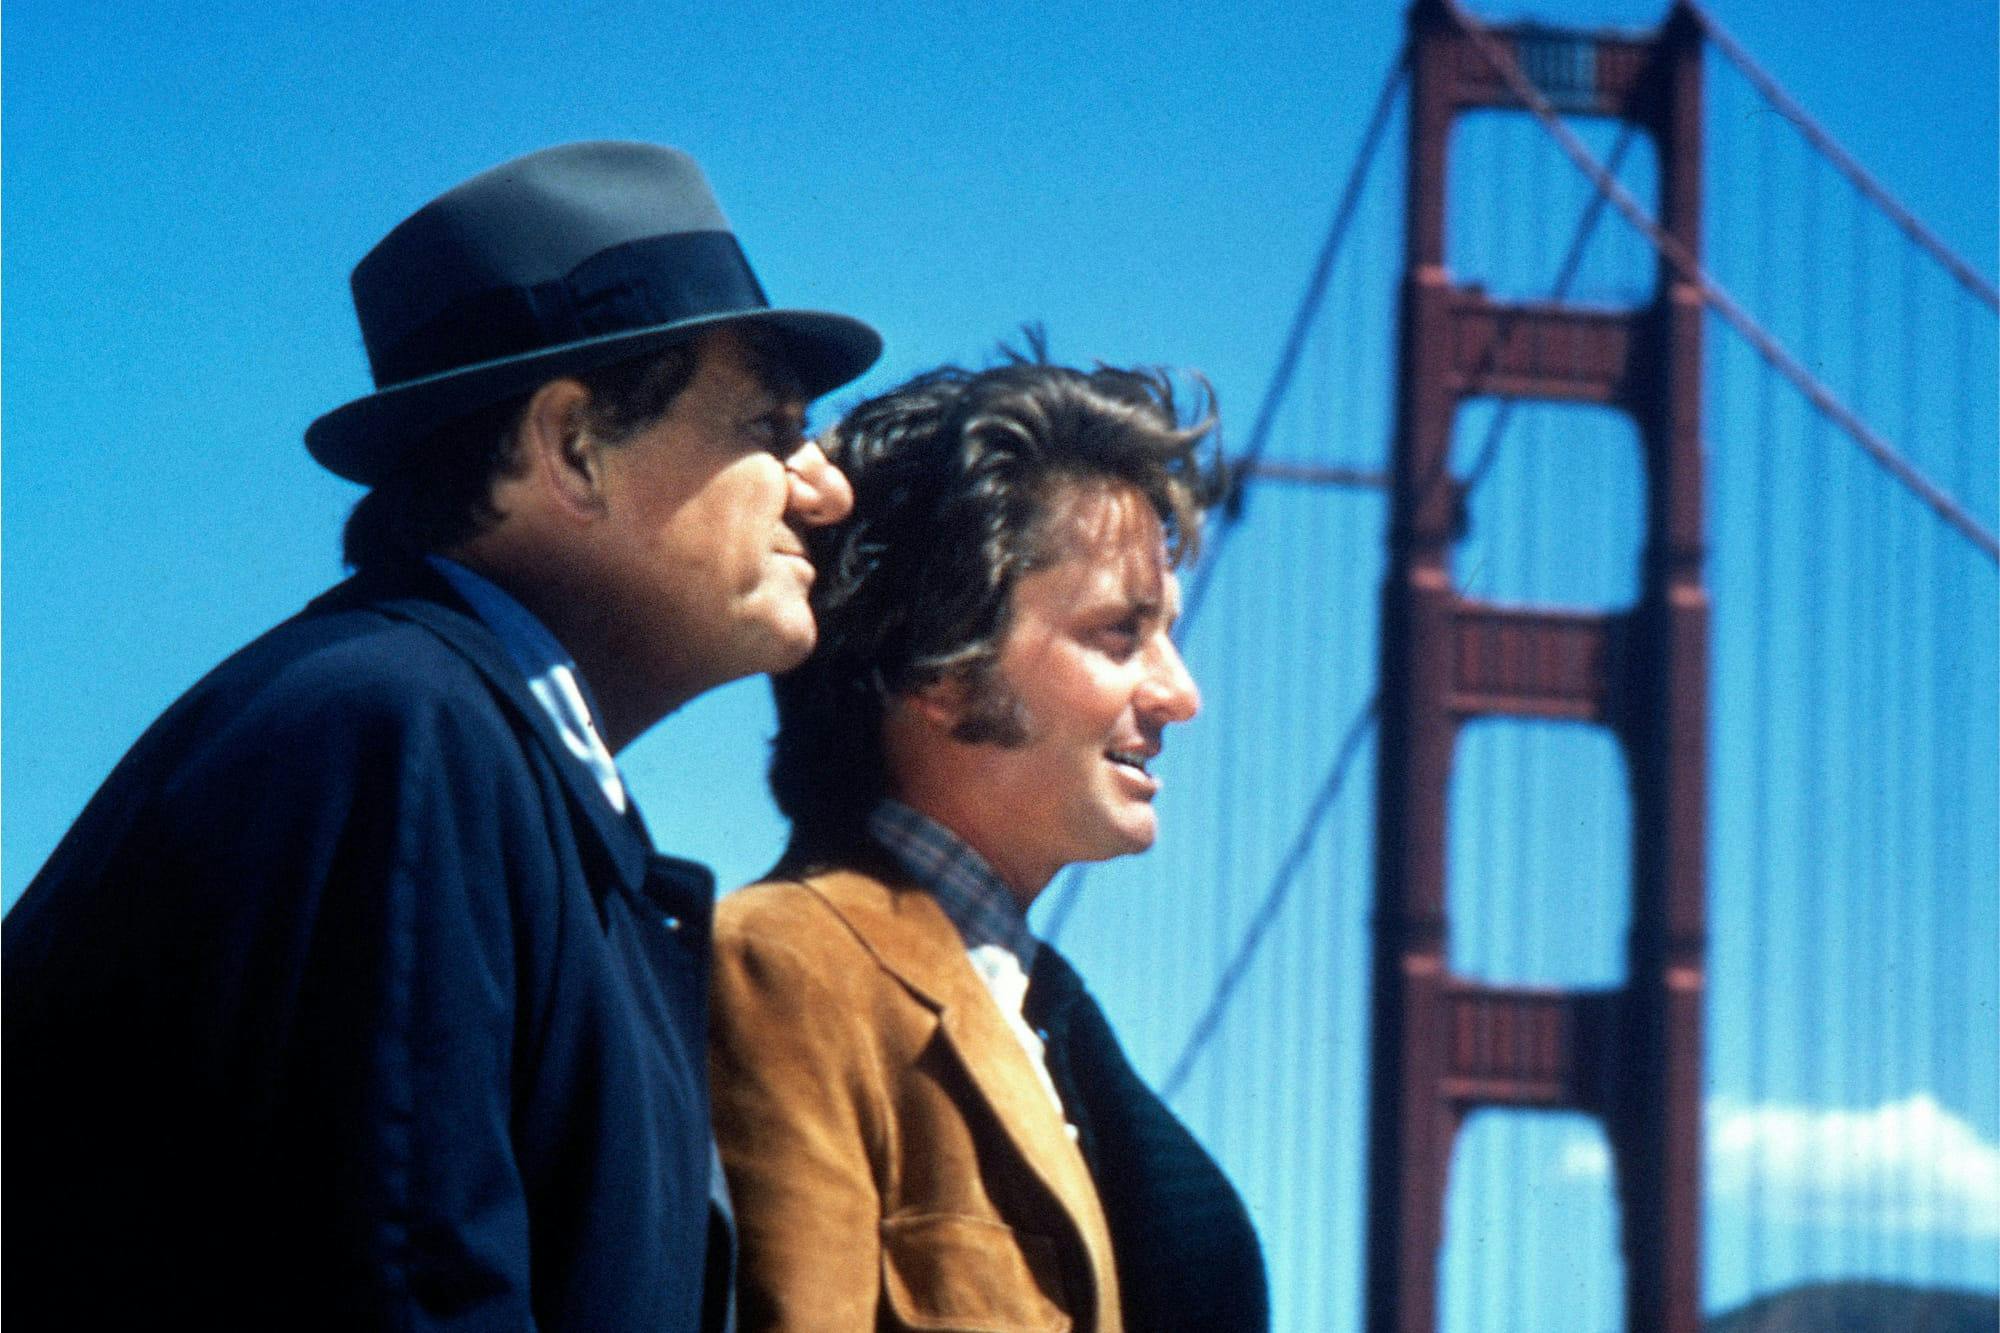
pixel 1063 900
pixel 1295 340
pixel 1489 447
pixel 1358 730
pixel 1210 1021
pixel 1692 273
pixel 1856 174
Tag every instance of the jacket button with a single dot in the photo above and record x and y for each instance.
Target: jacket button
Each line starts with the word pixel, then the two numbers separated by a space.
pixel 671 922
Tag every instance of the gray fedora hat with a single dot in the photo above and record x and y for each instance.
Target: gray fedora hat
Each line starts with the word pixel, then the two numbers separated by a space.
pixel 550 265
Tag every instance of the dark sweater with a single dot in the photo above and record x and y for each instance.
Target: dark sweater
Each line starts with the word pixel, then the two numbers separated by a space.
pixel 1187 1255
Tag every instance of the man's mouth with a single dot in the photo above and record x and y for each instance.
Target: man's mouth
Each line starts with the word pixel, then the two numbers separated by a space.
pixel 1133 759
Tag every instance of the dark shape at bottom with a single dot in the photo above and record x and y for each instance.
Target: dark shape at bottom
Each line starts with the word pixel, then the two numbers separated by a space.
pixel 1864 1307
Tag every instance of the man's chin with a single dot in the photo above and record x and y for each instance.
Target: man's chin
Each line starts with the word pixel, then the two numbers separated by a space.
pixel 765 645
pixel 792 645
pixel 1132 837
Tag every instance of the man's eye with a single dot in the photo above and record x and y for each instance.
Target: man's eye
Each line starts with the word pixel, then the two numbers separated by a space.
pixel 1121 638
pixel 778 434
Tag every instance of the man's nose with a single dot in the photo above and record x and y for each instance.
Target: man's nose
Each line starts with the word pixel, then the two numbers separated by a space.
pixel 819 490
pixel 1170 692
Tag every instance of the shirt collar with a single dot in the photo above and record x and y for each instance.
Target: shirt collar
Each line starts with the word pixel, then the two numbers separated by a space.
pixel 976 899
pixel 550 671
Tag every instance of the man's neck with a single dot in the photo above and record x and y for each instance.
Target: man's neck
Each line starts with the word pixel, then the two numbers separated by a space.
pixel 563 602
pixel 985 833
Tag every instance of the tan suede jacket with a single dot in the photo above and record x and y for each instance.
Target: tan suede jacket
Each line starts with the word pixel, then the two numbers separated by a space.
pixel 893 1159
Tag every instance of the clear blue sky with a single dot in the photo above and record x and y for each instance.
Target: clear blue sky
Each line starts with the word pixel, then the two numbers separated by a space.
pixel 187 186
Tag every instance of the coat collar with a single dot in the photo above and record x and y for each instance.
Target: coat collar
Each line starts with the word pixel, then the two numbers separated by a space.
pixel 416 593
pixel 908 934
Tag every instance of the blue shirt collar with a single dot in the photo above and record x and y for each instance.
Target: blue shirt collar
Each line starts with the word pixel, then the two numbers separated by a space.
pixel 549 669
pixel 526 639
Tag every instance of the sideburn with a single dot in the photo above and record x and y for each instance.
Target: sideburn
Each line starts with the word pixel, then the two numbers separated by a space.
pixel 994 713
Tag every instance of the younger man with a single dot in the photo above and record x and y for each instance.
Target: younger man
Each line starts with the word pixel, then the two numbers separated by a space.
pixel 926 1121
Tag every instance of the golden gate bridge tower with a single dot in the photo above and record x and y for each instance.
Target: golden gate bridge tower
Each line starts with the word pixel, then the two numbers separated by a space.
pixel 1444 1045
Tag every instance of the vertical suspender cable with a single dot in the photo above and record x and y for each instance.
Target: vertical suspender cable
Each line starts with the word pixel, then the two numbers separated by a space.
pixel 1762 884
pixel 1917 1037
pixel 1815 656
pixel 1869 619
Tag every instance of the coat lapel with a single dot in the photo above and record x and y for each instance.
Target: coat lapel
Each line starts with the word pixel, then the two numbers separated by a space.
pixel 911 937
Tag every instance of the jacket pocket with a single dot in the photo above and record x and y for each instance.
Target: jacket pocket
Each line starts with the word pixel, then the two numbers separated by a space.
pixel 950 1274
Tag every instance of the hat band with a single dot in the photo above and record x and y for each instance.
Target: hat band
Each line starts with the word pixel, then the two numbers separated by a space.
pixel 625 288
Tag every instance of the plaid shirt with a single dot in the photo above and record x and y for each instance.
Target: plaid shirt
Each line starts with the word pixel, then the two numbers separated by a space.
pixel 976 900
pixel 998 943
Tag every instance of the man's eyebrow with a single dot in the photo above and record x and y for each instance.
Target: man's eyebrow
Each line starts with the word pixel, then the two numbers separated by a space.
pixel 776 376
pixel 1144 606
pixel 1108 604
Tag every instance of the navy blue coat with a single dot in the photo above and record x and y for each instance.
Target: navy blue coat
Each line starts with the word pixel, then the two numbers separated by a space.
pixel 350 1002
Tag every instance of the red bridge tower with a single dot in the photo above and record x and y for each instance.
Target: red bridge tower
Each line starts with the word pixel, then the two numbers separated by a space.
pixel 1445 1045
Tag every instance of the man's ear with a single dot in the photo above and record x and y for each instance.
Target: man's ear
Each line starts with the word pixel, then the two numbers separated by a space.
pixel 562 457
pixel 939 704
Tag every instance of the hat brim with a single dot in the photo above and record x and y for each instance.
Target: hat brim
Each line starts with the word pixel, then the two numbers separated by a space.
pixel 371 438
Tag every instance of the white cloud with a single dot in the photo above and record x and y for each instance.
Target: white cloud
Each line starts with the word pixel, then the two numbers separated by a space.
pixel 1586 1157
pixel 1906 1166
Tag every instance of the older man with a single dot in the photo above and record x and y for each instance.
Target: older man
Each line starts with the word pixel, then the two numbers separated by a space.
pixel 357 997
pixel 926 1121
